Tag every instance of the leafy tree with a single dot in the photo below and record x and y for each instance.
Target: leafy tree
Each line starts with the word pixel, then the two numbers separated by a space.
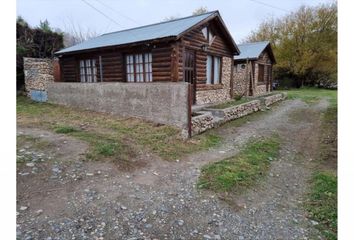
pixel 39 42
pixel 304 44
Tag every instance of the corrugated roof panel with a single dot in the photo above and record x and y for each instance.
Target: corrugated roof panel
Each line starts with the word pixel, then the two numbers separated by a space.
pixel 149 32
pixel 251 50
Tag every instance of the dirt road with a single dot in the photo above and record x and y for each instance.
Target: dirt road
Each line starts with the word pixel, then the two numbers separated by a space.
pixel 61 196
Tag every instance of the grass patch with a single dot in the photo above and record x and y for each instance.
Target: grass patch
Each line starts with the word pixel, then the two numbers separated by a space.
pixel 242 171
pixel 110 136
pixel 312 95
pixel 322 204
pixel 322 197
pixel 34 142
pixel 64 129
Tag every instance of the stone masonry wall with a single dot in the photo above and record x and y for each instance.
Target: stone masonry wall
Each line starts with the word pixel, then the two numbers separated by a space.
pixel 241 110
pixel 240 80
pixel 218 95
pixel 241 83
pixel 202 122
pixel 261 89
pixel 212 117
pixel 38 74
pixel 274 98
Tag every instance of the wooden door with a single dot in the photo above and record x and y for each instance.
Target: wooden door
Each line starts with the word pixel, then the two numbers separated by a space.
pixel 189 70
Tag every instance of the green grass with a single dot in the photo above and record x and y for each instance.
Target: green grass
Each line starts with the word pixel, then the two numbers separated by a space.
pixel 64 129
pixel 109 136
pixel 322 197
pixel 313 95
pixel 322 204
pixel 242 171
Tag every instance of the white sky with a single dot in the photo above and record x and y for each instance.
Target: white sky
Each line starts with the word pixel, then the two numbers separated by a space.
pixel 240 16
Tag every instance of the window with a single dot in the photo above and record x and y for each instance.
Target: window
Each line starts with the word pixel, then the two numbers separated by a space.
pixel 213 70
pixel 240 67
pixel 208 34
pixel 260 73
pixel 139 67
pixel 88 70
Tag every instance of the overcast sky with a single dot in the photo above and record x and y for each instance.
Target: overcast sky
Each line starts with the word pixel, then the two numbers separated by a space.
pixel 240 16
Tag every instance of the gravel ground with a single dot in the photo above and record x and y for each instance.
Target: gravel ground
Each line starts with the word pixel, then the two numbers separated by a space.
pixel 60 196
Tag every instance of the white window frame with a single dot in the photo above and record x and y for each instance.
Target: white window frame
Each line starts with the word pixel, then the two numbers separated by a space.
pixel 88 71
pixel 136 65
pixel 214 69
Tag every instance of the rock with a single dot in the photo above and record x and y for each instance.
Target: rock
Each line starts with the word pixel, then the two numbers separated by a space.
pixel 56 169
pixel 31 164
pixel 23 208
pixel 206 236
pixel 89 174
pixel 123 207
pixel 39 212
pixel 148 225
pixel 217 237
pixel 180 222
pixel 314 222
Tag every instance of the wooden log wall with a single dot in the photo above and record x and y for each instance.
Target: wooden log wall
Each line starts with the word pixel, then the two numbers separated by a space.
pixel 113 66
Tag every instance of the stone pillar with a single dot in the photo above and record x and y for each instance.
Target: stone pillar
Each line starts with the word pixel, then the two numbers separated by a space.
pixel 38 74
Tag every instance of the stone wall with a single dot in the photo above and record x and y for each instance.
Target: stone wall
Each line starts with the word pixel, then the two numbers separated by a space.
pixel 241 82
pixel 202 122
pixel 38 75
pixel 165 103
pixel 237 111
pixel 218 95
pixel 269 100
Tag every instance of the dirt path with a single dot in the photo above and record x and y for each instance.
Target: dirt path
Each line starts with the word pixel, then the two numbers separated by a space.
pixel 93 200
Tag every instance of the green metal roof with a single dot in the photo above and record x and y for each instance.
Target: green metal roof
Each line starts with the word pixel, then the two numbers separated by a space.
pixel 171 28
pixel 251 50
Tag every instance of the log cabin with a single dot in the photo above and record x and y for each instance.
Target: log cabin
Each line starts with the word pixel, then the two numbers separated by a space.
pixel 253 69
pixel 197 49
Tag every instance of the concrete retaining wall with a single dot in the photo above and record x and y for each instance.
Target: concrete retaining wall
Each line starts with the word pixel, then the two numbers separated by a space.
pixel 165 103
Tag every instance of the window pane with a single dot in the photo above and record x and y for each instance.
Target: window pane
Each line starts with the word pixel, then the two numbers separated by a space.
pixel 82 64
pixel 82 78
pixel 216 70
pixel 205 32
pixel 209 62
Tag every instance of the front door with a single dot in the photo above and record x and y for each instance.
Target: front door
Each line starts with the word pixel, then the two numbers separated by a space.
pixel 189 71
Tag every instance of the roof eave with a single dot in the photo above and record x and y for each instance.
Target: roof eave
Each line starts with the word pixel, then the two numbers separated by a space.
pixel 150 41
pixel 236 51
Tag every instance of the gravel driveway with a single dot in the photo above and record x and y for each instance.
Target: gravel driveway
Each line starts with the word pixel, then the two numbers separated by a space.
pixel 60 196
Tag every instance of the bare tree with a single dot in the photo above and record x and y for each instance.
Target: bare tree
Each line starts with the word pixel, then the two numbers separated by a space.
pixel 74 33
pixel 170 18
pixel 200 10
